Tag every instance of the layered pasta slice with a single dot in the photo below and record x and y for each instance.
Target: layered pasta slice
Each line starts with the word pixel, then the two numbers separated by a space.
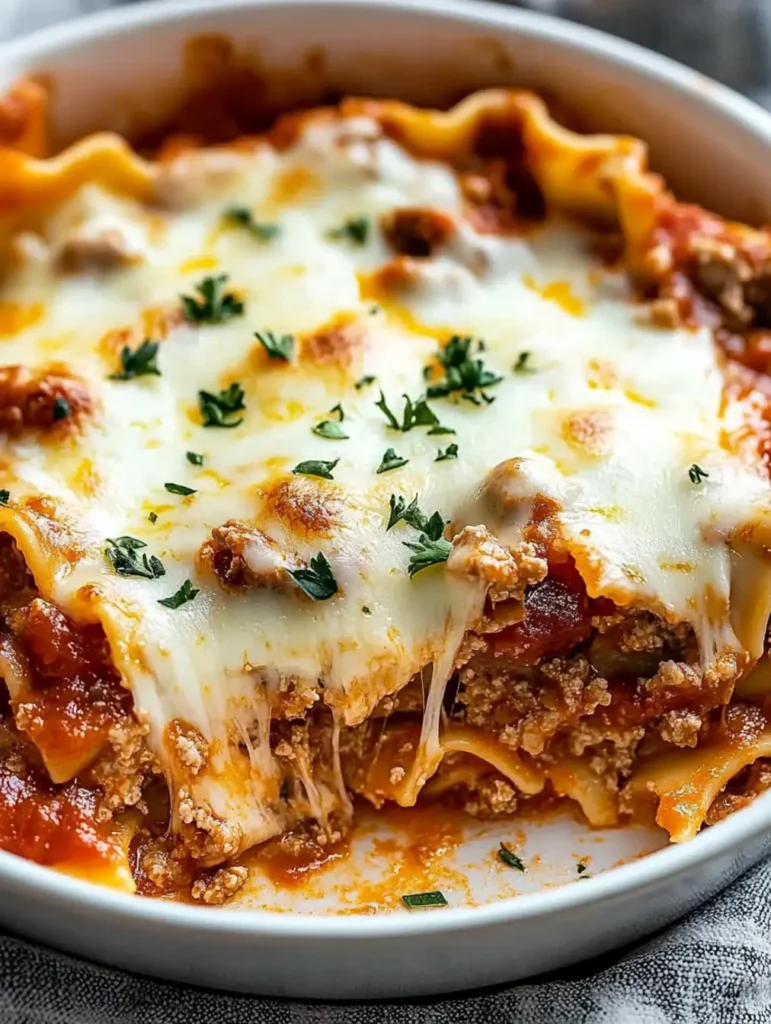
pixel 393 454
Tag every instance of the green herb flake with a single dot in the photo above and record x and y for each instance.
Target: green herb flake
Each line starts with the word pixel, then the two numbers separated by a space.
pixel 243 217
pixel 401 510
pixel 331 430
pixel 4 496
pixel 213 304
pixel 218 410
pixel 61 409
pixel 139 362
pixel 509 858
pixel 427 552
pixel 416 900
pixel 450 452
pixel 383 406
pixel 339 410
pixel 411 514
pixel 179 489
pixel 277 347
pixel 391 461
pixel 354 230
pixel 581 867
pixel 697 474
pixel 315 467
pixel 153 517
pixel 464 370
pixel 362 382
pixel 522 364
pixel 365 610
pixel 318 581
pixel 416 414
pixel 194 458
pixel 122 555
pixel 186 592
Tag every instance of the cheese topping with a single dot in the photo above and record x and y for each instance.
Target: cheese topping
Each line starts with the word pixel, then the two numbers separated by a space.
pixel 595 410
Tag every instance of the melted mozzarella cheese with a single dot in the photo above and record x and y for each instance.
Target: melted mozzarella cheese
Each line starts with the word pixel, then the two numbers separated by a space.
pixel 606 419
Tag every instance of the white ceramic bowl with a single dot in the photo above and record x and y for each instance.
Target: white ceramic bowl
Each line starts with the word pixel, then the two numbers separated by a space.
pixel 714 147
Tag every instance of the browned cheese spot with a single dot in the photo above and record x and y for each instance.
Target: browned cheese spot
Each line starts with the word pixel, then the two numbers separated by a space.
pixel 335 344
pixel 588 431
pixel 305 507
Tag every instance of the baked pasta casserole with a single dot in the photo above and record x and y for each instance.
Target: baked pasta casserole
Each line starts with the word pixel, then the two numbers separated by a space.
pixel 387 454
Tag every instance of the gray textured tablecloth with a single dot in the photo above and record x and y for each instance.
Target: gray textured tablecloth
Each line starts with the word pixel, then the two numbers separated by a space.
pixel 714 967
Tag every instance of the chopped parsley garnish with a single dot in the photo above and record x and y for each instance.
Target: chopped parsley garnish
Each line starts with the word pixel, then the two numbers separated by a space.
pixel 391 461
pixel 355 230
pixel 277 347
pixel 61 409
pixel 509 858
pixel 179 489
pixel 362 382
pixel 427 552
pixel 331 430
pixel 243 217
pixel 412 515
pixel 697 474
pixel 318 581
pixel 383 406
pixel 464 371
pixel 213 304
pixel 153 517
pixel 194 458
pixel 431 548
pixel 415 900
pixel 4 496
pixel 122 554
pixel 401 510
pixel 365 610
pixel 218 410
pixel 581 867
pixel 315 467
pixel 186 592
pixel 138 362
pixel 416 414
pixel 522 364
pixel 450 452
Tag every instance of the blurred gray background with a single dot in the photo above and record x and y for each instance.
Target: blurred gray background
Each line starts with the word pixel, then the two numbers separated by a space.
pixel 727 39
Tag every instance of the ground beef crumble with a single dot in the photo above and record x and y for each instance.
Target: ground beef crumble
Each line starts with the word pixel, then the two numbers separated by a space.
pixel 207 837
pixel 125 767
pixel 218 888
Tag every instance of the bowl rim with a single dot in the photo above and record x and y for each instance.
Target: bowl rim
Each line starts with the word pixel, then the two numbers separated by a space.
pixel 724 839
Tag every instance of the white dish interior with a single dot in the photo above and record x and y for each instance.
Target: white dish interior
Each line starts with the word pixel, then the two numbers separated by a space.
pixel 713 147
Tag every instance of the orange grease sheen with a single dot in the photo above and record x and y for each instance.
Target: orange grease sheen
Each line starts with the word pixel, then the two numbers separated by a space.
pixel 414 859
pixel 289 868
